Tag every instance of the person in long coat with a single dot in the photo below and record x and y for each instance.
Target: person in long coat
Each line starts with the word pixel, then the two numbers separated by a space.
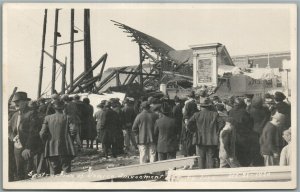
pixel 118 136
pixel 166 131
pixel 108 126
pixel 129 116
pixel 246 139
pixel 186 136
pixel 98 117
pixel 206 124
pixel 72 111
pixel 143 128
pixel 23 132
pixel 90 123
pixel 260 115
pixel 59 149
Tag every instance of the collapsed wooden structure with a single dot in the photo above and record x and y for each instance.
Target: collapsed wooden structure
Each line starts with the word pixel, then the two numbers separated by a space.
pixel 162 66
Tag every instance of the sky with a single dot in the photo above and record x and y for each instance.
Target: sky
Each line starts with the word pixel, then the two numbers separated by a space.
pixel 242 29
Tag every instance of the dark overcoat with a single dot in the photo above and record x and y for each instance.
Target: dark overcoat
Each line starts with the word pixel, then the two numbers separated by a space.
pixel 246 138
pixel 55 133
pixel 28 130
pixel 108 125
pixel 166 131
pixel 208 124
pixel 143 127
pixel 129 116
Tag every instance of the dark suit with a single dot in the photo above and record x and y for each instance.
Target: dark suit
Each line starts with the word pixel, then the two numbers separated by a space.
pixel 59 148
pixel 166 130
pixel 29 138
pixel 208 123
pixel 108 127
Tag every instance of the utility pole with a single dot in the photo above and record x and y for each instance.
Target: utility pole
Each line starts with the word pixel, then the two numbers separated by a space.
pixel 72 49
pixel 141 66
pixel 54 52
pixel 87 43
pixel 42 55
pixel 63 77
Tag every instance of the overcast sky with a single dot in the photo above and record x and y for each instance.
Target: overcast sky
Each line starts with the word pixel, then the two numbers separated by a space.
pixel 243 30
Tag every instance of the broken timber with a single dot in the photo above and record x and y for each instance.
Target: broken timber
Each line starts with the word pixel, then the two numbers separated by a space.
pixel 120 172
pixel 241 174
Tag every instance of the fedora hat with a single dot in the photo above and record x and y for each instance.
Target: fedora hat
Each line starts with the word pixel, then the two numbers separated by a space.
pixel 205 102
pixel 20 96
pixel 145 105
pixel 165 109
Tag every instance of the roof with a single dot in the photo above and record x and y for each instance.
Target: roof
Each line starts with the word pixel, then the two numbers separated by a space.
pixel 144 39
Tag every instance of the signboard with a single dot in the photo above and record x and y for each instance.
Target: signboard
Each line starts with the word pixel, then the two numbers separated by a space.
pixel 204 71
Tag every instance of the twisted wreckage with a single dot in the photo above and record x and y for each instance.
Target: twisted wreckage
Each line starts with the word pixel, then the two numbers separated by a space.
pixel 174 73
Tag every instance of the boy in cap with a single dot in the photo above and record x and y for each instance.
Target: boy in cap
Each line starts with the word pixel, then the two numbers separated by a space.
pixel 59 149
pixel 270 140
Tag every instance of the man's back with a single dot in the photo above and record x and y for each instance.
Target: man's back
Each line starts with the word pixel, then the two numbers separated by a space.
pixel 143 126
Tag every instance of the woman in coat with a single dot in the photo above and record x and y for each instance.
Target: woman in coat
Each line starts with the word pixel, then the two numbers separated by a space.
pixel 245 136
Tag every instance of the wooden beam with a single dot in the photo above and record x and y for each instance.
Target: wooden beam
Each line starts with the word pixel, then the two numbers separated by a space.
pixel 12 95
pixel 57 61
pixel 66 43
pixel 63 77
pixel 137 73
pixel 42 55
pixel 87 44
pixel 54 53
pixel 83 75
pixel 127 77
pixel 120 172
pixel 241 174
pixel 141 66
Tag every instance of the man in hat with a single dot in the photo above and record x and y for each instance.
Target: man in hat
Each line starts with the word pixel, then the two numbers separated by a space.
pixel 177 112
pixel 283 108
pixel 167 132
pixel 72 111
pixel 23 132
pixel 59 149
pixel 89 124
pixel 81 111
pixel 50 109
pixel 117 135
pixel 98 117
pixel 129 116
pixel 270 140
pixel 108 125
pixel 143 127
pixel 208 124
pixel 190 107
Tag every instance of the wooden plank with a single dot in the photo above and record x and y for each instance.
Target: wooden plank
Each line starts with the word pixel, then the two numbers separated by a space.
pixel 119 172
pixel 241 174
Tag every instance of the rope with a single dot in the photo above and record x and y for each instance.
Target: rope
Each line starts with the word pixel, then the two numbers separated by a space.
pixel 47 87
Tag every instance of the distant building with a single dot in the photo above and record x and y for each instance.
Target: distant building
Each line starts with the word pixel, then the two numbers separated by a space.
pixel 275 60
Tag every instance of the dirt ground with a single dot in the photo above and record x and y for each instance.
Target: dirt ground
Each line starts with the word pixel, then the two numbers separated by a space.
pixel 95 158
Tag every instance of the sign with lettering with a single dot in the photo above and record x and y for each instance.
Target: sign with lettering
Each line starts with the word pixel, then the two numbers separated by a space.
pixel 204 71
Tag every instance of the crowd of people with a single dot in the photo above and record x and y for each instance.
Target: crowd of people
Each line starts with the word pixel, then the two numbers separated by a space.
pixel 45 135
